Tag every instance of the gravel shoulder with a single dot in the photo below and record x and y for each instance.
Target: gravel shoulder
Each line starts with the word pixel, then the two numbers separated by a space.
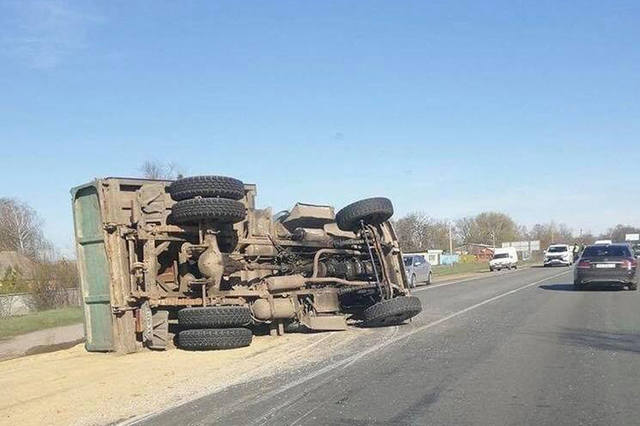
pixel 77 387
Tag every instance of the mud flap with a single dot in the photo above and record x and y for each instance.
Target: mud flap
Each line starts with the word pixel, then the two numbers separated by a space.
pixel 156 328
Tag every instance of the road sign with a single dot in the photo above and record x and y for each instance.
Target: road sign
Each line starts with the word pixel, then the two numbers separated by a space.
pixel 523 245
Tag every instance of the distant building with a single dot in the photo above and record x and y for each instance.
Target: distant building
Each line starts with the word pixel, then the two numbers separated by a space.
pixel 432 256
pixel 480 251
pixel 14 261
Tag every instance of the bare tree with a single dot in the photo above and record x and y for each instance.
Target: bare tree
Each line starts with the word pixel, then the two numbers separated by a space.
pixel 21 228
pixel 51 283
pixel 490 228
pixel 467 230
pixel 550 233
pixel 419 232
pixel 618 232
pixel 152 169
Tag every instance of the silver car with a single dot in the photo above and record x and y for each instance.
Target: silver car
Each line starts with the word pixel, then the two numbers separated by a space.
pixel 418 269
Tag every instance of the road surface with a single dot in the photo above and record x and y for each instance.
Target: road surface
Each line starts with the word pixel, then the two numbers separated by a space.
pixel 518 347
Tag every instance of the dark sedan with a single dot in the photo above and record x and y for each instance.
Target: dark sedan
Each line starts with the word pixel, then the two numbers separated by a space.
pixel 606 264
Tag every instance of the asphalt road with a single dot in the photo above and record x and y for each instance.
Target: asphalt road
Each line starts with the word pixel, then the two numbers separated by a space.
pixel 518 347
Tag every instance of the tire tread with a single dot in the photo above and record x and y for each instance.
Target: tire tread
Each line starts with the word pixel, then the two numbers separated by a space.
pixel 402 308
pixel 207 187
pixel 214 317
pixel 219 210
pixel 212 338
pixel 372 211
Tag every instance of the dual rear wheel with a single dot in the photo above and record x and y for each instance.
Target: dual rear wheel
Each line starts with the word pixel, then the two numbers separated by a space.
pixel 214 327
pixel 207 198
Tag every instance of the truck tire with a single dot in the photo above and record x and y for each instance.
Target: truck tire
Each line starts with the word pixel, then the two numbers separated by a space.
pixel 372 211
pixel 392 311
pixel 219 210
pixel 633 286
pixel 214 317
pixel 412 282
pixel 206 187
pixel 212 338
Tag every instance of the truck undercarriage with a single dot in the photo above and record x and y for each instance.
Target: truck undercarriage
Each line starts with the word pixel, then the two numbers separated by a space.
pixel 198 252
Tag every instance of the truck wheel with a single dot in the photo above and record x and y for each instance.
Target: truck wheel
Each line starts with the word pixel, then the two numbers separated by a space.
pixel 212 338
pixel 392 311
pixel 206 187
pixel 633 286
pixel 219 210
pixel 412 283
pixel 214 317
pixel 373 211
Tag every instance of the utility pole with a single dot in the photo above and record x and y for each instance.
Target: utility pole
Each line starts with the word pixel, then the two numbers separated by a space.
pixel 450 238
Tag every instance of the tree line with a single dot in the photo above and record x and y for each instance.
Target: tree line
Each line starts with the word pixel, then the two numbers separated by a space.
pixel 419 232
pixel 45 275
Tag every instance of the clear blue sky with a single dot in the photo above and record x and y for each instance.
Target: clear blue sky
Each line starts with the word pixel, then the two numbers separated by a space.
pixel 451 108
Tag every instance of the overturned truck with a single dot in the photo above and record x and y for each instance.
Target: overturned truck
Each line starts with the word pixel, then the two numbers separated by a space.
pixel 193 261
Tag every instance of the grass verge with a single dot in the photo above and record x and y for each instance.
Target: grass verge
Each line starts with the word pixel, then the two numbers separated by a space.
pixel 459 268
pixel 14 326
pixel 463 268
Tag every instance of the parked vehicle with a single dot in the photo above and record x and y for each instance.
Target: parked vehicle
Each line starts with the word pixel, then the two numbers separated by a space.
pixel 197 253
pixel 504 258
pixel 558 254
pixel 418 269
pixel 607 264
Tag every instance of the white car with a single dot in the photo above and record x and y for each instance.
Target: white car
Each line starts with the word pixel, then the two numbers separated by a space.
pixel 504 258
pixel 558 254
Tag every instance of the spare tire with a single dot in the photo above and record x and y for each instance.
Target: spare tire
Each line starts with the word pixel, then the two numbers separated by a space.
pixel 392 311
pixel 214 317
pixel 372 211
pixel 212 338
pixel 218 210
pixel 206 187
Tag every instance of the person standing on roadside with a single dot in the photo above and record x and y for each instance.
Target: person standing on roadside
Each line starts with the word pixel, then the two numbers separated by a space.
pixel 576 251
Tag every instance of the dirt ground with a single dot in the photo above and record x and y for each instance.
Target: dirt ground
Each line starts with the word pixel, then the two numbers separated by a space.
pixel 77 387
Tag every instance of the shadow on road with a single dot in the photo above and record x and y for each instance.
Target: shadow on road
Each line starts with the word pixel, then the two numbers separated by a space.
pixel 551 267
pixel 569 287
pixel 603 340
